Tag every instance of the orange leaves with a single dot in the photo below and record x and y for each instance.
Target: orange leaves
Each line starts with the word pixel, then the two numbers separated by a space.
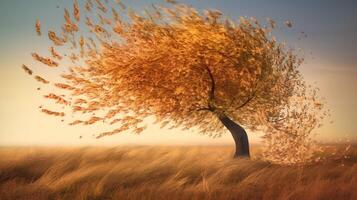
pixel 46 61
pixel 213 15
pixel 115 131
pixel 89 5
pixel 64 86
pixel 69 26
pixel 78 109
pixel 38 27
pixel 27 70
pixel 37 78
pixel 92 120
pixel 115 121
pixel 76 13
pixel 58 99
pixel 40 79
pixel 99 29
pixel 54 113
pixel 179 90
pixel 116 16
pixel 56 40
pixel 55 54
pixel 112 113
pixel 272 23
pixel 121 4
pixel 75 122
pixel 81 42
pixel 104 20
pixel 171 1
pixel 80 101
pixel 101 6
pixel 73 57
pixel 318 105
pixel 67 16
pixel 139 130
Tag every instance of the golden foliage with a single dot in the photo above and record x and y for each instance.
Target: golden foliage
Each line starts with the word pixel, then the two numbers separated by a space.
pixel 187 68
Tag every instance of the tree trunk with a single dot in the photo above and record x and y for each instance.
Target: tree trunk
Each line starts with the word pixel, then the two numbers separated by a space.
pixel 239 135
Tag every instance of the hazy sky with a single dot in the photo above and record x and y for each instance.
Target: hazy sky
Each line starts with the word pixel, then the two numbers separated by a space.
pixel 331 27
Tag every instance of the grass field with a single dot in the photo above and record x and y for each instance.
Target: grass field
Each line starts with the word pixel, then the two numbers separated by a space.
pixel 140 172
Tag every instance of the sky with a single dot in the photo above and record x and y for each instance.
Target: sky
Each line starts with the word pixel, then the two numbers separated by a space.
pixel 330 51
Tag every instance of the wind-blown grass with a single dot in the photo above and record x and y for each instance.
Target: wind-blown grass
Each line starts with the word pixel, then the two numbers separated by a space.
pixel 140 172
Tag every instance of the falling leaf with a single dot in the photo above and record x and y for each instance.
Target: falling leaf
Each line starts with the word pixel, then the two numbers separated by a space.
pixel 288 24
pixel 38 27
pixel 27 70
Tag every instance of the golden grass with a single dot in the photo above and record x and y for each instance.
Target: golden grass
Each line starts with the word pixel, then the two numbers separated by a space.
pixel 140 172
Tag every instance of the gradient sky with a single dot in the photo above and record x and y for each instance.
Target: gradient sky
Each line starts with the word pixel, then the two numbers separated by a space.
pixel 331 27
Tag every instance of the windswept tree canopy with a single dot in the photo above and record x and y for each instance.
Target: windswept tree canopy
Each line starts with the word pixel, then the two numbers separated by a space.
pixel 183 67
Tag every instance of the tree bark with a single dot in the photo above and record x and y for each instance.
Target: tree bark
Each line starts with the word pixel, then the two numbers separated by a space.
pixel 239 135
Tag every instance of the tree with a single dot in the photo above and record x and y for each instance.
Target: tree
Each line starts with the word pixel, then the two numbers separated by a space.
pixel 185 68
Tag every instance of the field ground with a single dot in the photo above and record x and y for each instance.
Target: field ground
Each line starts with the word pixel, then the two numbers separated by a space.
pixel 196 172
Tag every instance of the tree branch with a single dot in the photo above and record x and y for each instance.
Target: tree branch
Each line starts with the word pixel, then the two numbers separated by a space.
pixel 205 109
pixel 213 84
pixel 247 101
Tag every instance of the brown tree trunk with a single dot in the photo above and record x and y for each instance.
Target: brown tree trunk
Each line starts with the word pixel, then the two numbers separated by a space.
pixel 239 135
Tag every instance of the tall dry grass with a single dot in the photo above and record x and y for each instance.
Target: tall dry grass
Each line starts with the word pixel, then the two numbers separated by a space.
pixel 168 173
